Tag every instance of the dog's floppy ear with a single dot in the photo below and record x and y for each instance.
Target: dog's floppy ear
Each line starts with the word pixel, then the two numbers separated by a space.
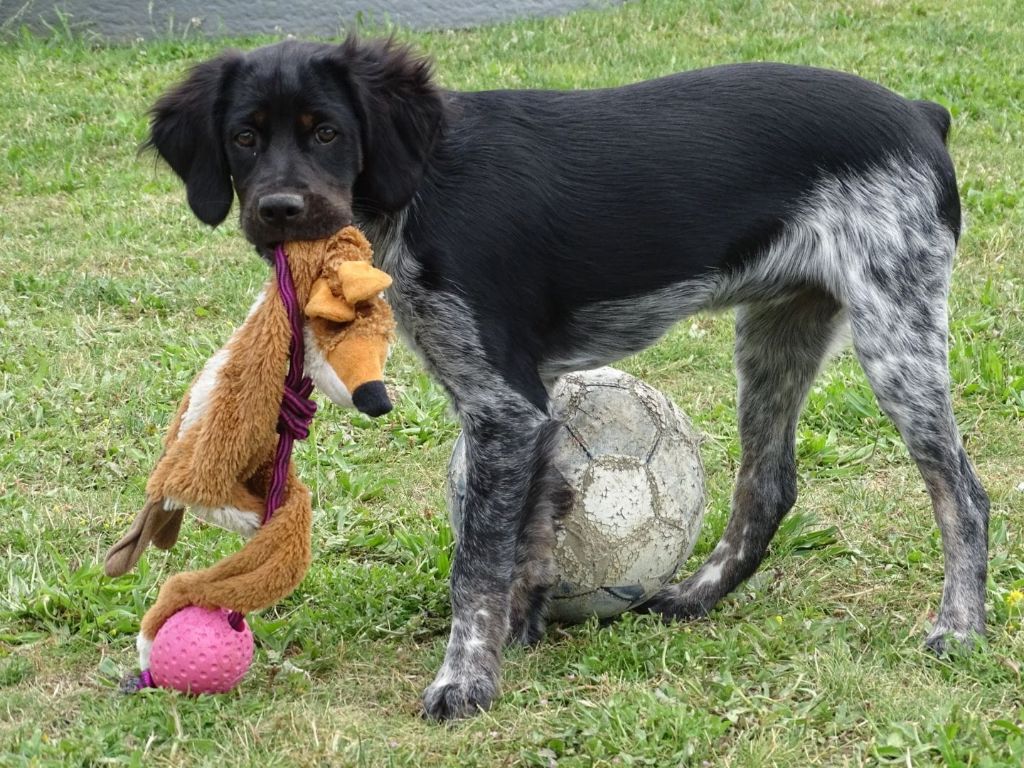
pixel 400 112
pixel 185 130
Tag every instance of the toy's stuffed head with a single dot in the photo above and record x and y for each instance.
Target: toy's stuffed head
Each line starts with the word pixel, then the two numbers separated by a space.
pixel 349 325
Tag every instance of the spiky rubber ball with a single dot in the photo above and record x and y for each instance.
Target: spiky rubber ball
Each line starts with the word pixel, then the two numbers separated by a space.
pixel 198 651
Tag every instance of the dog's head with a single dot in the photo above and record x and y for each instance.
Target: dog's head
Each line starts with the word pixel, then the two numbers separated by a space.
pixel 302 132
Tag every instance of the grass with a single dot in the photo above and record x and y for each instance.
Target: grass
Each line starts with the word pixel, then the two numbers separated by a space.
pixel 112 296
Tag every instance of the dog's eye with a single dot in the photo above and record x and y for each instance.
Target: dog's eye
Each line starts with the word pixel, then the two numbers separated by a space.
pixel 325 134
pixel 245 138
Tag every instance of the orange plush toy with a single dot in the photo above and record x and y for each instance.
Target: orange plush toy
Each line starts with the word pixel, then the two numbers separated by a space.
pixel 227 451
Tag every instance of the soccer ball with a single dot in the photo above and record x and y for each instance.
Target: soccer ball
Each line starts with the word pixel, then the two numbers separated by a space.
pixel 632 460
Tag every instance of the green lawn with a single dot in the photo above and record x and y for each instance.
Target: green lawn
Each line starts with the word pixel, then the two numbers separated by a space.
pixel 112 296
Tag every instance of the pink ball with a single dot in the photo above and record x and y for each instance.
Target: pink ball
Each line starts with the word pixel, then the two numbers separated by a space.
pixel 198 651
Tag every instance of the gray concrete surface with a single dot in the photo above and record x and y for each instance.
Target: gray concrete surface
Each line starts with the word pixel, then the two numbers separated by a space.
pixel 131 19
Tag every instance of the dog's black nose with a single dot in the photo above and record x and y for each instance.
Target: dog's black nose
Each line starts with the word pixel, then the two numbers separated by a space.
pixel 280 208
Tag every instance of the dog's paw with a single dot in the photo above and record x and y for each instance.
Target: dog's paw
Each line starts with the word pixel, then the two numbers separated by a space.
pixel 525 636
pixel 527 629
pixel 946 641
pixel 450 698
pixel 675 604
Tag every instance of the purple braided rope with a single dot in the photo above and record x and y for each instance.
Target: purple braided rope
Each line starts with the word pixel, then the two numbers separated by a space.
pixel 296 408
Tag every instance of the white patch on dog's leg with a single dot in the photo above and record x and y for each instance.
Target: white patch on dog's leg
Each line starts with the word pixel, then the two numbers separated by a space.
pixel 199 395
pixel 475 640
pixel 712 574
pixel 322 374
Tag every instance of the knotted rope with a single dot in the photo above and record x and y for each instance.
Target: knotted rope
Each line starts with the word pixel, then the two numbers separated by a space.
pixel 297 409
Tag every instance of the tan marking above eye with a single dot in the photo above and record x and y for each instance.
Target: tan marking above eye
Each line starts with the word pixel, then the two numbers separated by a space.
pixel 307 120
pixel 259 118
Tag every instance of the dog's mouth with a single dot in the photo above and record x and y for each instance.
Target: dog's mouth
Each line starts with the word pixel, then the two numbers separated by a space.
pixel 277 217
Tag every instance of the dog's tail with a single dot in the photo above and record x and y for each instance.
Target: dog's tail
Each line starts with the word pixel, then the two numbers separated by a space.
pixel 937 115
pixel 948 195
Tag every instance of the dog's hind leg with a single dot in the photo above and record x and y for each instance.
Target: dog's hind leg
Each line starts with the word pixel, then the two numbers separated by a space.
pixel 899 321
pixel 779 349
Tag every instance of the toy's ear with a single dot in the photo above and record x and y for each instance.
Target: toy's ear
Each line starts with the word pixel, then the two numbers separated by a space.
pixel 323 303
pixel 185 129
pixel 400 113
pixel 361 281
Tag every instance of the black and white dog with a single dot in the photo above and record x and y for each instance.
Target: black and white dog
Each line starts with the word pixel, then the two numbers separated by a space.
pixel 532 233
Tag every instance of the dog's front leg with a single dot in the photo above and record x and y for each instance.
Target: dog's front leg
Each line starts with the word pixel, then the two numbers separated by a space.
pixel 500 442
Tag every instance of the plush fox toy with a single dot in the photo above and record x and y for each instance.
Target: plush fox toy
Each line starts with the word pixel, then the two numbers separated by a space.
pixel 220 446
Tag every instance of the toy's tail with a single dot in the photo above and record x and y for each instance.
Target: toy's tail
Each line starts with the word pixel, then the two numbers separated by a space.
pixel 155 524
pixel 265 570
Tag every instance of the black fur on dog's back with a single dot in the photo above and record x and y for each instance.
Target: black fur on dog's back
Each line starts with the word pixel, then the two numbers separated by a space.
pixel 537 203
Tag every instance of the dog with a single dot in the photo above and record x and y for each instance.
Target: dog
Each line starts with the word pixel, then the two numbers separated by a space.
pixel 533 233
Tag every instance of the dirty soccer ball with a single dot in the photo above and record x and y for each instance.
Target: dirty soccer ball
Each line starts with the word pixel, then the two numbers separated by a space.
pixel 632 460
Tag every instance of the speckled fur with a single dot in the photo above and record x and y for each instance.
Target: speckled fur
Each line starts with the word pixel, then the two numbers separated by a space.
pixel 532 233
